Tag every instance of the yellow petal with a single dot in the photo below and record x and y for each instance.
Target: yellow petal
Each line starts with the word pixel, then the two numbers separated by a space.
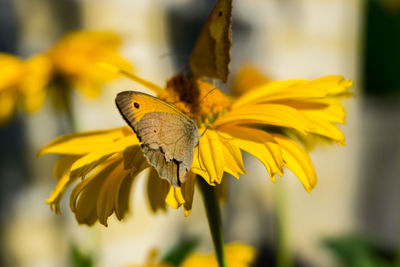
pixel 210 158
pixel 89 161
pixel 56 194
pixel 12 71
pixel 247 79
pixel 295 89
pixel 260 144
pixel 188 192
pixel 108 192
pixel 134 157
pixel 88 87
pixel 237 255
pixel 155 192
pixel 8 101
pixel 37 77
pixel 298 161
pixel 267 114
pixel 34 102
pixel 174 197
pixel 327 129
pixel 86 142
pixel 85 207
pixel 63 165
pixel 221 190
pixel 122 198
pixel 233 158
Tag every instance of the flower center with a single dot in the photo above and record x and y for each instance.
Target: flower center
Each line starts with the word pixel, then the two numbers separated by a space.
pixel 197 99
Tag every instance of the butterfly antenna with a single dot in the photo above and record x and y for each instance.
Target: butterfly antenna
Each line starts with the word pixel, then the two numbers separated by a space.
pixel 201 100
pixel 216 131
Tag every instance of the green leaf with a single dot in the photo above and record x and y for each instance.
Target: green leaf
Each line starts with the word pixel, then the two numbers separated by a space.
pixel 180 251
pixel 360 251
pixel 78 258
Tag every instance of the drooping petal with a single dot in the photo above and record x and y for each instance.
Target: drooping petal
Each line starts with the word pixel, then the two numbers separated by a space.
pixel 109 191
pixel 57 193
pixel 298 161
pixel 188 192
pixel 123 195
pixel 233 158
pixel 260 144
pixel 134 158
pixel 86 142
pixel 174 197
pixel 85 207
pixel 156 192
pixel 210 161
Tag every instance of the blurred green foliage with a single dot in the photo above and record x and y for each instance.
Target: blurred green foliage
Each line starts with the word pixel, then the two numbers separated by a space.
pixel 381 72
pixel 180 251
pixel 78 259
pixel 359 251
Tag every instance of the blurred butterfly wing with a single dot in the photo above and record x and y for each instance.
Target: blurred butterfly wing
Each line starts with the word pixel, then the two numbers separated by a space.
pixel 211 53
pixel 168 136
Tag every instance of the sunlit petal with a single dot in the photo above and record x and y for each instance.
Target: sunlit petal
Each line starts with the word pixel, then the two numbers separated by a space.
pixel 260 144
pixel 298 161
pixel 295 89
pixel 174 197
pixel 86 142
pixel 267 114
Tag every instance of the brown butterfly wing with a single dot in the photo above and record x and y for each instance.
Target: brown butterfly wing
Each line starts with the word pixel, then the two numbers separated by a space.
pixel 211 53
pixel 168 136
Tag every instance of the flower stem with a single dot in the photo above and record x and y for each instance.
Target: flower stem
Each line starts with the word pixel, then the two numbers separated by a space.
pixel 65 99
pixel 397 259
pixel 214 220
pixel 284 257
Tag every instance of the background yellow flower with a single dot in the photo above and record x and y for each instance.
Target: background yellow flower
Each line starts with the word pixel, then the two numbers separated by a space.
pixel 237 254
pixel 72 63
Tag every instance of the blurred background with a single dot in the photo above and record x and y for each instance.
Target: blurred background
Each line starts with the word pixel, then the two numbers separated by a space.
pixel 350 219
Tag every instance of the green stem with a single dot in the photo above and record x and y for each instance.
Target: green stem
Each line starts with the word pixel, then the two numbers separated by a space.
pixel 65 95
pixel 397 260
pixel 214 220
pixel 284 258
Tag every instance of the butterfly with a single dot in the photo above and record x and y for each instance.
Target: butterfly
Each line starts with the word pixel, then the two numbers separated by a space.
pixel 211 54
pixel 168 136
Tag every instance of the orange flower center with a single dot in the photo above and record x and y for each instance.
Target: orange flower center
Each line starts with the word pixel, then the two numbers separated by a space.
pixel 197 99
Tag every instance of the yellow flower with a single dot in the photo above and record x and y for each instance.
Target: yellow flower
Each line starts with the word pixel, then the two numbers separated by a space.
pixel 71 63
pixel 21 83
pixel 75 57
pixel 11 73
pixel 237 255
pixel 108 161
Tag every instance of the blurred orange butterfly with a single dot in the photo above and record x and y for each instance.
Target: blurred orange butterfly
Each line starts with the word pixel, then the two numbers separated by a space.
pixel 168 136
